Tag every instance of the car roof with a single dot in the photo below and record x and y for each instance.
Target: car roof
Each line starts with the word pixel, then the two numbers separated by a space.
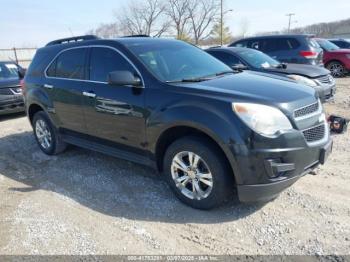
pixel 278 36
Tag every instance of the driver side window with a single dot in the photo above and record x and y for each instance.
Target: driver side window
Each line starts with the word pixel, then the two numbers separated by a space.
pixel 103 61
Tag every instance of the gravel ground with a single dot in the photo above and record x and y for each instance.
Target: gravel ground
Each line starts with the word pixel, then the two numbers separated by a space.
pixel 83 202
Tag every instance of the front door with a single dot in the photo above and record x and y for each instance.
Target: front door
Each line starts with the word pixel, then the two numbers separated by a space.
pixel 114 113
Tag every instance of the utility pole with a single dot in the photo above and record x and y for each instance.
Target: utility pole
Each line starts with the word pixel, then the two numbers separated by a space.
pixel 222 13
pixel 290 15
pixel 222 23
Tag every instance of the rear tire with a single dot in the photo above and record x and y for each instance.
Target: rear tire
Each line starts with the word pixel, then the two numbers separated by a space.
pixel 46 135
pixel 337 69
pixel 198 173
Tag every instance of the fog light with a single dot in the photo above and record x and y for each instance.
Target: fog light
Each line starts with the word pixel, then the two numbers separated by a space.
pixel 275 168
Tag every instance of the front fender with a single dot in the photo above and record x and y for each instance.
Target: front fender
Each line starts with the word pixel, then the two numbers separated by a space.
pixel 216 121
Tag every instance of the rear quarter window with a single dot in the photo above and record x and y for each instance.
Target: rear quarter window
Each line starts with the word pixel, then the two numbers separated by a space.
pixel 70 64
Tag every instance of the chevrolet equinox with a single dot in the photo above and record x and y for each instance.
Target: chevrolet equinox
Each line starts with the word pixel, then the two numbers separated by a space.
pixel 209 130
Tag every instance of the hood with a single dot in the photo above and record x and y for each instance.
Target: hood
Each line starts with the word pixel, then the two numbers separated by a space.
pixel 259 88
pixel 11 82
pixel 300 69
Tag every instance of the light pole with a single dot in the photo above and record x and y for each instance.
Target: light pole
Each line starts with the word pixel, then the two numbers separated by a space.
pixel 222 21
pixel 290 15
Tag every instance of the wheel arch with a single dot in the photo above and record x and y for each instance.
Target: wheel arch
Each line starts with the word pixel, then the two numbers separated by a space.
pixel 173 133
pixel 33 109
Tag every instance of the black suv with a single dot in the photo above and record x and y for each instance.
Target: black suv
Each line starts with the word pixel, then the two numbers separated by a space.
pixel 298 49
pixel 172 106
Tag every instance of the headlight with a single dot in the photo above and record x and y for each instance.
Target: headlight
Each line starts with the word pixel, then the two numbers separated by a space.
pixel 303 80
pixel 265 120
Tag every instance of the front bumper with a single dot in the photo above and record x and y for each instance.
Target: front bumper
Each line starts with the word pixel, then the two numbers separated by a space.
pixel 12 105
pixel 326 92
pixel 268 191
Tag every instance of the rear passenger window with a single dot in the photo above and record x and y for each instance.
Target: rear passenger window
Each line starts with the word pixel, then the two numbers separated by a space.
pixel 104 61
pixel 70 64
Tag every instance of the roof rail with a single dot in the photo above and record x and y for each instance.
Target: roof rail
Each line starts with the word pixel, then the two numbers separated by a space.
pixel 72 39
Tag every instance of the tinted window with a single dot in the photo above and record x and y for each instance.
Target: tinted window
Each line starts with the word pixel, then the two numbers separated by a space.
pixel 340 43
pixel 69 64
pixel 227 58
pixel 104 61
pixel 279 44
pixel 51 71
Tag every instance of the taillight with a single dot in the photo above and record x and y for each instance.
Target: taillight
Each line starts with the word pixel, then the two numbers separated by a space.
pixel 309 54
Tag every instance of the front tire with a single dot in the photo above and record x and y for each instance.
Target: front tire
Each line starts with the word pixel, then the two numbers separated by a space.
pixel 46 135
pixel 337 69
pixel 197 172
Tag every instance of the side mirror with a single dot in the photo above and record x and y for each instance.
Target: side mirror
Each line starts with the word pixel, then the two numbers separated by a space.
pixel 124 78
pixel 239 67
pixel 21 73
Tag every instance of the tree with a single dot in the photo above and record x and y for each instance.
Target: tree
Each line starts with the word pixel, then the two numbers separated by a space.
pixel 216 34
pixel 178 12
pixel 203 13
pixel 144 18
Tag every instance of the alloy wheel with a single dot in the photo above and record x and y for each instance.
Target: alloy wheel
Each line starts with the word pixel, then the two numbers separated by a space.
pixel 43 134
pixel 192 175
pixel 337 70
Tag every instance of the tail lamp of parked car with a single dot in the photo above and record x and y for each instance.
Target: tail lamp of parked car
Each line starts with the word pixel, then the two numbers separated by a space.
pixel 309 54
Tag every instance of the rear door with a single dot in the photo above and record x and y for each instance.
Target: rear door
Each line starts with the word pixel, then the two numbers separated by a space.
pixel 114 113
pixel 65 79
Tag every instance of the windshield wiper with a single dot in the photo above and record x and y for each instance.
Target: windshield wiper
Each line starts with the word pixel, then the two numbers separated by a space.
pixel 190 80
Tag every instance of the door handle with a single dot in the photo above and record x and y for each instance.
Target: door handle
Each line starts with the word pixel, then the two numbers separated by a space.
pixel 89 94
pixel 48 86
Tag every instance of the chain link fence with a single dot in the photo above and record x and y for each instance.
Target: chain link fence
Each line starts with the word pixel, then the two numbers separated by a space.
pixel 22 56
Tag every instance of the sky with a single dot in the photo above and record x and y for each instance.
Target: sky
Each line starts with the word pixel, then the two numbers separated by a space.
pixel 33 23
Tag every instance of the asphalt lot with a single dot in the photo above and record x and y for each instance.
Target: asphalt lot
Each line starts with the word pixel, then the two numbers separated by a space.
pixel 82 202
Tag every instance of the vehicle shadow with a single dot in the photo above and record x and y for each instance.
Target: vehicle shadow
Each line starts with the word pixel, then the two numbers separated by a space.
pixel 11 116
pixel 104 184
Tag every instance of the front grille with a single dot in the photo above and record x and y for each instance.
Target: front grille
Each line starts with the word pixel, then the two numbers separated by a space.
pixel 6 91
pixel 315 133
pixel 325 79
pixel 307 110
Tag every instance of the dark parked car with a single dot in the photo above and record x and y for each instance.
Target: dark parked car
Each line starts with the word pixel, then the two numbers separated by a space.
pixel 240 58
pixel 172 106
pixel 342 43
pixel 11 98
pixel 336 60
pixel 298 49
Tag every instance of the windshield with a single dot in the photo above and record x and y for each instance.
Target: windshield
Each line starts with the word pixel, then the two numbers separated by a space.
pixel 176 61
pixel 327 45
pixel 258 59
pixel 8 70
